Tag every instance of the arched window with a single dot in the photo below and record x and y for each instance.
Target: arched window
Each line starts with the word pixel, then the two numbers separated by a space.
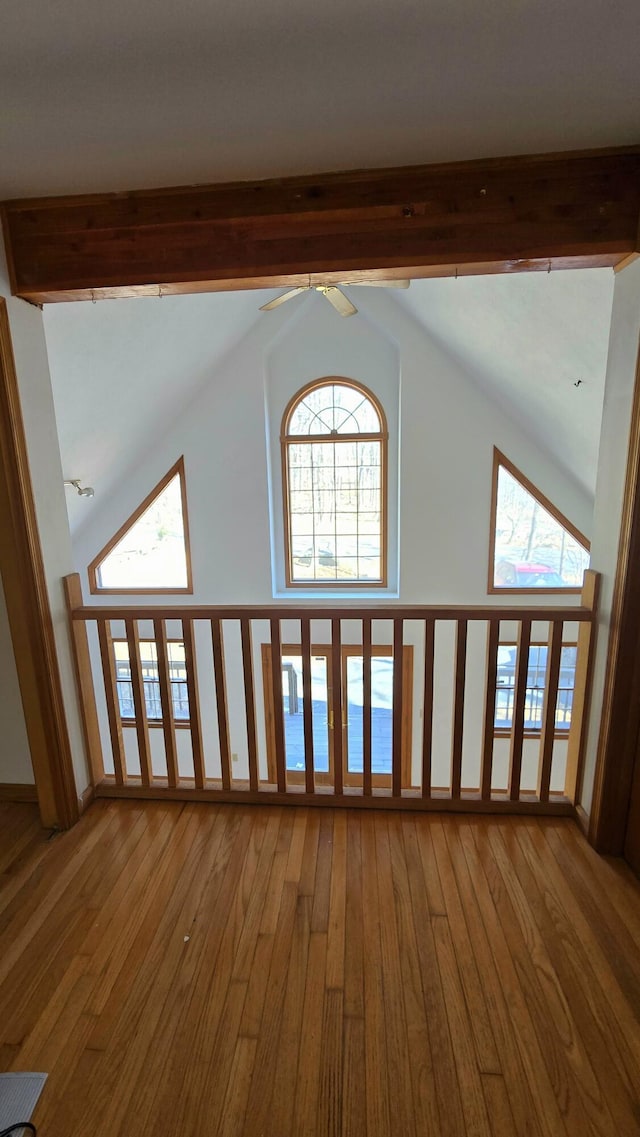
pixel 334 456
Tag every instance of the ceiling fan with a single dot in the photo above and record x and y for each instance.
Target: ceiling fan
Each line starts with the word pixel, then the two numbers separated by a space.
pixel 334 293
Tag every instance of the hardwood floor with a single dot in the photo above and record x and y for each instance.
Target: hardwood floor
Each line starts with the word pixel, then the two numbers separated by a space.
pixel 183 970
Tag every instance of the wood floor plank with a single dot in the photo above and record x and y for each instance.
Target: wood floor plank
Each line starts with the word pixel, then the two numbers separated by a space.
pixel 283 1100
pixel 590 966
pixel 548 1098
pixel 203 1007
pixel 248 971
pixel 423 1087
pixel 231 1121
pixel 262 1082
pixel 488 1060
pixel 498 1106
pixel 520 1074
pixel 550 1014
pixel 354 1110
pixel 398 1065
pixel 307 1085
pixel 472 1097
pixel 600 1062
pixel 329 1120
pixel 600 900
pixel 354 956
pixel 376 1081
pixel 444 1066
pixel 337 905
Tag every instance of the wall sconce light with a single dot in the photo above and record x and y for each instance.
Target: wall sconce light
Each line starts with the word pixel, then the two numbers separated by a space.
pixel 86 491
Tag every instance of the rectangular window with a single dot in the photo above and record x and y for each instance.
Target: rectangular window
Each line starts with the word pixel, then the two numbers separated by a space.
pixel 149 666
pixel 536 681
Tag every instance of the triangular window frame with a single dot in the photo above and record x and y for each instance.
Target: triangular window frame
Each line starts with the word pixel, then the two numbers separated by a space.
pixel 499 460
pixel 157 491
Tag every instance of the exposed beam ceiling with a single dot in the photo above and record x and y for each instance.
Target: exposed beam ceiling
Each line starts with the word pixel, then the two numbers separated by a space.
pixel 498 215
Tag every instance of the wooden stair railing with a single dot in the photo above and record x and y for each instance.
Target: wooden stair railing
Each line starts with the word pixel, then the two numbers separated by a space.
pixel 227 689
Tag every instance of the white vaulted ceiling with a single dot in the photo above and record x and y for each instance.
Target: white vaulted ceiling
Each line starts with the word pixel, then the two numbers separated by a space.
pixel 121 370
pixel 118 95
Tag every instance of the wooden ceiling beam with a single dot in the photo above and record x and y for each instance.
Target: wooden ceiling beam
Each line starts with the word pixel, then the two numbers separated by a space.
pixel 499 215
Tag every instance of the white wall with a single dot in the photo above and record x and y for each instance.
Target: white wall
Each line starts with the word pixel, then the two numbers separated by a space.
pixel 612 465
pixel 36 399
pixel 447 430
pixel 15 760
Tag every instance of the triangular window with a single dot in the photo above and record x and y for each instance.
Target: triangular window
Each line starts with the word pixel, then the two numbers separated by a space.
pixel 533 546
pixel 150 552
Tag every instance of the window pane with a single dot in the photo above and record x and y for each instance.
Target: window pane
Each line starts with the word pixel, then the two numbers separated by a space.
pixel 152 553
pixel 151 681
pixel 335 490
pixel 532 548
pixel 292 696
pixel 334 408
pixel 381 714
pixel 536 683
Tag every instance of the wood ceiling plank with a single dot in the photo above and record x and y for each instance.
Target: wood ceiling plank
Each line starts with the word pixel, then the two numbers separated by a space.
pixel 509 214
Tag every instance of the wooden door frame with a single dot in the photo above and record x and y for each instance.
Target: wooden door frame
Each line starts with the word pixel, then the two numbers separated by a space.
pixel 346 650
pixel 28 609
pixel 619 736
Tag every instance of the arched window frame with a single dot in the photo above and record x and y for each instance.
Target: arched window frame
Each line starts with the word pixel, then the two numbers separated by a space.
pixel 287 439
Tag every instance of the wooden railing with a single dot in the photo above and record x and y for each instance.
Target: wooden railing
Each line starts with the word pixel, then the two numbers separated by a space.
pixel 185 702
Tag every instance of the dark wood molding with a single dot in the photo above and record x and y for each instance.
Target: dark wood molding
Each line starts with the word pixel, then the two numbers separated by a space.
pixel 85 799
pixel 17 791
pixel 23 578
pixel 620 719
pixel 497 215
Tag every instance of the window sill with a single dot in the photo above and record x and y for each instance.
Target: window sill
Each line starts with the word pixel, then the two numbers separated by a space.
pixel 305 594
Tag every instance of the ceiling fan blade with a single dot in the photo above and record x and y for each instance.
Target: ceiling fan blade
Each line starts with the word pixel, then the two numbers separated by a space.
pixel 378 283
pixel 340 302
pixel 285 296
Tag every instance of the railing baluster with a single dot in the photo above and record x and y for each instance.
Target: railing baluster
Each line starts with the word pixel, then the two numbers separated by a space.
pixel 336 705
pixel 249 701
pixel 427 705
pixel 396 757
pixel 139 701
pixel 366 707
pixel 486 769
pixel 307 705
pixel 217 644
pixel 547 735
pixel 278 713
pixel 166 702
pixel 458 709
pixel 519 703
pixel 194 703
pixel 105 641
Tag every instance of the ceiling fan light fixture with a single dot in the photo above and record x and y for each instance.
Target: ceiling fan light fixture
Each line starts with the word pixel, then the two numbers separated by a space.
pixel 333 293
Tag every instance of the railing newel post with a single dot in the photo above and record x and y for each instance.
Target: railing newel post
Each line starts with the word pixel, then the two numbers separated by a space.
pixel 84 680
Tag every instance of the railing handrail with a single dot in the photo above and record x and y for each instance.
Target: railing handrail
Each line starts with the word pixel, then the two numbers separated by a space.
pixel 578 614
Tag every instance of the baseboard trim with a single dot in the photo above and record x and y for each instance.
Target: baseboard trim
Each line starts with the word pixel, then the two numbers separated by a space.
pixel 583 820
pixel 85 799
pixel 16 791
